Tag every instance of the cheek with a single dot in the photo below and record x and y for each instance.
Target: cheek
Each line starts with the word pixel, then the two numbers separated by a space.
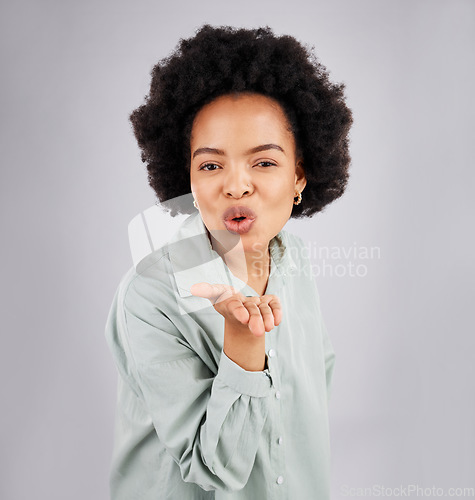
pixel 200 187
pixel 280 188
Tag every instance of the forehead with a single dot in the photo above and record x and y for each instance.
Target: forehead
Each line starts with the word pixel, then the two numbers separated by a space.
pixel 243 114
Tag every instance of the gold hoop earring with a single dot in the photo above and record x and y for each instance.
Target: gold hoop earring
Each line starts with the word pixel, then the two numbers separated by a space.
pixel 195 204
pixel 299 198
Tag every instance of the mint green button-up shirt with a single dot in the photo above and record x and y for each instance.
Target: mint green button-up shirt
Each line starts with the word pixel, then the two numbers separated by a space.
pixel 191 423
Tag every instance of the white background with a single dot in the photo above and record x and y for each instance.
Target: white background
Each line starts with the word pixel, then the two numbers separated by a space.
pixel 403 406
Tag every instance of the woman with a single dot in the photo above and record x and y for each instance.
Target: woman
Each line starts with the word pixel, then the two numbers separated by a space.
pixel 225 363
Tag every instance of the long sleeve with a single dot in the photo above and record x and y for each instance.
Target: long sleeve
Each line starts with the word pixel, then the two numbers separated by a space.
pixel 210 423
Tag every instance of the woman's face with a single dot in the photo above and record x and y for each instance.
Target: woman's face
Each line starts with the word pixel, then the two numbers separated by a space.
pixel 243 155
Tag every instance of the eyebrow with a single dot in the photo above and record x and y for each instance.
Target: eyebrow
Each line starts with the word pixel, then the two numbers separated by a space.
pixel 257 149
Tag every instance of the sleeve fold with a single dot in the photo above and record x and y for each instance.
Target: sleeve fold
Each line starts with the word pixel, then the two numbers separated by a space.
pixel 329 355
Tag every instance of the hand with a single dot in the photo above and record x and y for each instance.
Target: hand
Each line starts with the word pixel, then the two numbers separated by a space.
pixel 255 314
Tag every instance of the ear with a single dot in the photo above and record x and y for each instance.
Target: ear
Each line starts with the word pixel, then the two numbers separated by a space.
pixel 300 179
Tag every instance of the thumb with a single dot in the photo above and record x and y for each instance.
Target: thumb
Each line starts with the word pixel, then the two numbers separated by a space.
pixel 215 293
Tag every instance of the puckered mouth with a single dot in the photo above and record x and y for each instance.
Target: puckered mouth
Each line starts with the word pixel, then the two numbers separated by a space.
pixel 239 212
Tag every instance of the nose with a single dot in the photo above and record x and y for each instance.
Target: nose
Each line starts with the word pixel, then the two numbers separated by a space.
pixel 237 183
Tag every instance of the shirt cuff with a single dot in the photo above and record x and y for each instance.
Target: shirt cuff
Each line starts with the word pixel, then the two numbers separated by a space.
pixel 257 384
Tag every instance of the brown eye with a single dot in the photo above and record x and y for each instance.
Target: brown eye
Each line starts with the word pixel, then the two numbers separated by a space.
pixel 208 165
pixel 267 164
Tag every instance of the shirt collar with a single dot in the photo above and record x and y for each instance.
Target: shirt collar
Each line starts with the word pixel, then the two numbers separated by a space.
pixel 193 259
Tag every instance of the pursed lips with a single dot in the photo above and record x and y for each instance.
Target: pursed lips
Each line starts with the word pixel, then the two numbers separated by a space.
pixel 239 212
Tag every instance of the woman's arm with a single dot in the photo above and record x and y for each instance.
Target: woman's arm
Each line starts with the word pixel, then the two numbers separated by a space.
pixel 209 422
pixel 244 348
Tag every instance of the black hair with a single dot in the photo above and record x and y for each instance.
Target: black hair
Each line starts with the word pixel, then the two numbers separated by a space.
pixel 224 60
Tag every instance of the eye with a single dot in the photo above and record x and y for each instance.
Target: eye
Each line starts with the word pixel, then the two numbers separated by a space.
pixel 208 165
pixel 266 164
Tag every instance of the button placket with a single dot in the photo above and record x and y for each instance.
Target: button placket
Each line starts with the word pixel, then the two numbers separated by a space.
pixel 278 452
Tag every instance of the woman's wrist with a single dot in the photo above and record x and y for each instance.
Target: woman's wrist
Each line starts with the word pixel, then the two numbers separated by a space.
pixel 244 348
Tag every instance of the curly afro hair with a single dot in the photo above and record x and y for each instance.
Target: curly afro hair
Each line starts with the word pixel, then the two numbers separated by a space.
pixel 224 60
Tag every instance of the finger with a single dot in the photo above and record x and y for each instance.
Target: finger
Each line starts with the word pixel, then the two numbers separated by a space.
pixel 274 303
pixel 238 310
pixel 256 323
pixel 238 306
pixel 267 316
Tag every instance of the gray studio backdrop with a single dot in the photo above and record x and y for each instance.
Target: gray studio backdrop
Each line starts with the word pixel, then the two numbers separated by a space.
pixel 402 411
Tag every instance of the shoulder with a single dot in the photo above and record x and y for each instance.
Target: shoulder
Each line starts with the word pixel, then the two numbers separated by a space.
pixel 295 249
pixel 149 282
pixel 298 257
pixel 153 273
pixel 292 239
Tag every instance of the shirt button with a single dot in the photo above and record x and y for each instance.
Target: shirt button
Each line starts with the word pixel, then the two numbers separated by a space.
pixel 280 480
pixel 279 441
pixel 271 353
pixel 277 394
